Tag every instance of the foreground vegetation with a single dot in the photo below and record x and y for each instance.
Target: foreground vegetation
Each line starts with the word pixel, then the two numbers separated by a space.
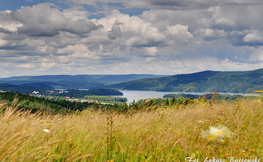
pixel 165 133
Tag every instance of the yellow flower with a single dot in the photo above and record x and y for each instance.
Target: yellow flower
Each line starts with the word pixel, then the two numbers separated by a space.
pixel 171 155
pixel 215 131
pixel 210 137
pixel 218 133
pixel 48 154
pixel 197 152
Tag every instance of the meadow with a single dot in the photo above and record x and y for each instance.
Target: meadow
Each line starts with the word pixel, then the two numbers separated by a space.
pixel 201 131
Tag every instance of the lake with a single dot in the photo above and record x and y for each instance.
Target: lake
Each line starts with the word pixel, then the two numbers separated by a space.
pixel 137 95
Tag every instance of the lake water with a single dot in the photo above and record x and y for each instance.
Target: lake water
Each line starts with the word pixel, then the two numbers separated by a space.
pixel 137 95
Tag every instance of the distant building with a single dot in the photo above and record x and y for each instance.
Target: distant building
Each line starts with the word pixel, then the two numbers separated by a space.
pixel 35 92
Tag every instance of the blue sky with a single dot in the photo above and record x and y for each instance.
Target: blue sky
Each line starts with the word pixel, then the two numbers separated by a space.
pixel 129 36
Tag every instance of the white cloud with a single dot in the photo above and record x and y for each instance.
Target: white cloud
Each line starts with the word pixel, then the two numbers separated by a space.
pixel 224 22
pixel 184 35
pixel 25 66
pixel 3 43
pixel 35 23
pixel 7 22
pixel 75 14
pixel 152 51
pixel 254 36
pixel 179 33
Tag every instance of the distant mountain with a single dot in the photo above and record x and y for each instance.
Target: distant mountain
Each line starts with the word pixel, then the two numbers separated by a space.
pixel 89 78
pixel 38 84
pixel 206 81
pixel 75 81
pixel 21 89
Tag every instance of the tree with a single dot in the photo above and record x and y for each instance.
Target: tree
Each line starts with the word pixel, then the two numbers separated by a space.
pixel 173 101
pixel 167 102
pixel 186 101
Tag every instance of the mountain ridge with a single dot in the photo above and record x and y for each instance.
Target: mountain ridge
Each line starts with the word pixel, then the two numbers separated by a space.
pixel 204 81
pixel 75 81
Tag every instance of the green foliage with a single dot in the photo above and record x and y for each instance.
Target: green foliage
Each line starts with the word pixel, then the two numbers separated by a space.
pixel 173 101
pixel 35 104
pixel 106 99
pixel 21 89
pixel 208 96
pixel 186 101
pixel 167 102
pixel 82 93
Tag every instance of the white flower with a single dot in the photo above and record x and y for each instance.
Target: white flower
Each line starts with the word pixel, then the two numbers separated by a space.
pixel 46 130
pixel 216 132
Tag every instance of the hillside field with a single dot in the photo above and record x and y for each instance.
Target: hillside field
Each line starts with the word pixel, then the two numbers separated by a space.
pixel 166 133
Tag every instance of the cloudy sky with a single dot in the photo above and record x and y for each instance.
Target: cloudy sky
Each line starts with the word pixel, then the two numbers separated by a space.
pixel 39 37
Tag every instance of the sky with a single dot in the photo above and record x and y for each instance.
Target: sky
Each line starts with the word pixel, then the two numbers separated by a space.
pixel 167 37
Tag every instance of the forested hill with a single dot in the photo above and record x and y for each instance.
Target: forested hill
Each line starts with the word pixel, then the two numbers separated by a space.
pixel 75 81
pixel 206 81
pixel 26 89
pixel 84 78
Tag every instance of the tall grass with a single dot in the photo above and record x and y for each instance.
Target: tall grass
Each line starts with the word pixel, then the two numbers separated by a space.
pixel 165 134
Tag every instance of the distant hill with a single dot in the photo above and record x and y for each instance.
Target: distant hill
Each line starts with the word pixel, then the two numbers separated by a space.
pixel 75 81
pixel 206 81
pixel 89 78
pixel 38 84
pixel 21 89
pixel 91 92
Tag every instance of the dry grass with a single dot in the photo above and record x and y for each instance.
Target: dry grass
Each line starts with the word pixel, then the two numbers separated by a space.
pixel 166 134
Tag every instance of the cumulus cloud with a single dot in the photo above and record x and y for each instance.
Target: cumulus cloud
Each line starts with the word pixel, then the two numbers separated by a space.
pixel 35 23
pixel 255 37
pixel 182 35
pixel 179 33
pixel 115 32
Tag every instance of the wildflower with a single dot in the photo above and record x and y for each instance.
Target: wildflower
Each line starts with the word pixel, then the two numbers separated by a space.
pixel 70 141
pixel 211 137
pixel 200 121
pixel 217 133
pixel 48 154
pixel 46 130
pixel 171 155
pixel 197 152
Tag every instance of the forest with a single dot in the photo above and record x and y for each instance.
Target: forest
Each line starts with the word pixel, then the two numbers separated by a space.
pixel 206 81
pixel 34 104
